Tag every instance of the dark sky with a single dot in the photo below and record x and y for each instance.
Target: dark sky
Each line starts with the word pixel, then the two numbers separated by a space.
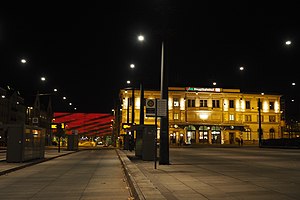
pixel 84 49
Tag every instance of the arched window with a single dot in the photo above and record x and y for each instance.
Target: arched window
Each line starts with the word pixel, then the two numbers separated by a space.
pixel 190 134
pixel 191 128
pixel 203 134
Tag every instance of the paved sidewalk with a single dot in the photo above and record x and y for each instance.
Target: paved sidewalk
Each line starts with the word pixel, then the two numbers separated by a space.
pixel 141 187
pixel 230 179
pixel 50 153
pixel 91 174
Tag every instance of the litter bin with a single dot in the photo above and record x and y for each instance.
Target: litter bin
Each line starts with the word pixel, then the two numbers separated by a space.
pixel 148 144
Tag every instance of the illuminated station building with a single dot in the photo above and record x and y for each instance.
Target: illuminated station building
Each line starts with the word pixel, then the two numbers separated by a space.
pixel 210 115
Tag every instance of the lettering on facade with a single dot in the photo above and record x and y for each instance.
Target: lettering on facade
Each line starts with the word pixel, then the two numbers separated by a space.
pixel 203 89
pixel 126 125
pixel 55 125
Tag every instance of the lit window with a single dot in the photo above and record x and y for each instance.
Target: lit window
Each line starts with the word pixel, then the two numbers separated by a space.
pixel 176 102
pixel 231 117
pixel 176 116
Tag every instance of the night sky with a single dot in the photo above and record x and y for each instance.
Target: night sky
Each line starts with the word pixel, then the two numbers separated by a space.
pixel 85 49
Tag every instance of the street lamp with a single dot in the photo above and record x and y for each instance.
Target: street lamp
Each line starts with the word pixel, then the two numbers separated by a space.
pixel 164 122
pixel 132 105
pixel 242 68
pixel 141 38
pixel 132 66
pixel 43 78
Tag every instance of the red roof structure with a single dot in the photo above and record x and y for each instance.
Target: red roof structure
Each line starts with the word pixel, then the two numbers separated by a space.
pixel 88 124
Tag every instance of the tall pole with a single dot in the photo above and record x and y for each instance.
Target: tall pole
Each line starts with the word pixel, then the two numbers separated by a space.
pixel 142 104
pixel 132 106
pixel 128 110
pixel 259 123
pixel 139 132
pixel 164 122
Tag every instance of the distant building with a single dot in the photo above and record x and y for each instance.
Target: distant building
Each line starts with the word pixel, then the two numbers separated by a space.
pixel 12 110
pixel 210 115
pixel 41 114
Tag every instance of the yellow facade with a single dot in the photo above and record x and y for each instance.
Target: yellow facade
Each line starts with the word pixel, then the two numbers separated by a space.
pixel 210 115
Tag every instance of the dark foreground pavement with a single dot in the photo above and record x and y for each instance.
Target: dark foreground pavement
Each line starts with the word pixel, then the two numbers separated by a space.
pixel 193 173
pixel 86 174
pixel 217 174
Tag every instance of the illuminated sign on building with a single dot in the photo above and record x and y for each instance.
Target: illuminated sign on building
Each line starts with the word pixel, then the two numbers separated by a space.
pixel 203 89
pixel 126 125
pixel 54 125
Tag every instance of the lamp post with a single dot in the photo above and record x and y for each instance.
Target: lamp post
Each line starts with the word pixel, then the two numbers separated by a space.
pixel 132 66
pixel 242 68
pixel 164 122
pixel 259 123
pixel 141 38
pixel 132 105
pixel 139 131
pixel 37 111
pixel 127 113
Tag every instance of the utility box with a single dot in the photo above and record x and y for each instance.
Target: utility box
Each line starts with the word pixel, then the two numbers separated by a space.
pixel 126 141
pixel 148 142
pixel 25 143
pixel 139 140
pixel 72 142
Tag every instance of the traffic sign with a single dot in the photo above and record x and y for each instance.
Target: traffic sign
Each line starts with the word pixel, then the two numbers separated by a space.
pixel 162 108
pixel 35 120
pixel 150 107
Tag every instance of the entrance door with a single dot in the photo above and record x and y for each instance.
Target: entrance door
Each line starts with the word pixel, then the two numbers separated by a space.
pixel 231 138
pixel 190 137
pixel 203 136
pixel 216 137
